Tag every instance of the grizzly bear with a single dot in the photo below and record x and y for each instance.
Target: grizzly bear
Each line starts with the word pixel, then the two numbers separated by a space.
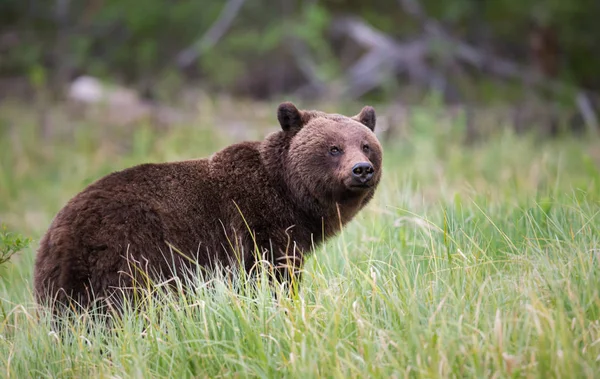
pixel 273 200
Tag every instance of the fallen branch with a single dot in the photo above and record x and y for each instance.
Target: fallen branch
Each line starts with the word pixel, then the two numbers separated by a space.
pixel 498 66
pixel 188 56
pixel 587 112
pixel 385 57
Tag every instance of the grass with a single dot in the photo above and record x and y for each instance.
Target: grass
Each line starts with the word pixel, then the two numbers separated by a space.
pixel 474 261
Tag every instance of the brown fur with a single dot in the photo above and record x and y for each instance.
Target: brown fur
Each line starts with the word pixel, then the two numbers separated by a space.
pixel 292 191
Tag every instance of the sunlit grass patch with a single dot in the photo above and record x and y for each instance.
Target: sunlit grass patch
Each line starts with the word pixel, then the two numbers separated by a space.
pixel 477 261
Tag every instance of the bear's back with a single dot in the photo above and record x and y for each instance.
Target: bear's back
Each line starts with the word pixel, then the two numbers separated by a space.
pixel 135 213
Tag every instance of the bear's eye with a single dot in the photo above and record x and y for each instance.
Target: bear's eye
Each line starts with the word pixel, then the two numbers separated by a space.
pixel 366 148
pixel 334 150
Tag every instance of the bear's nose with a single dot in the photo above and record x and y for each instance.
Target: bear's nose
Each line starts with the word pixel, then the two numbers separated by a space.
pixel 363 171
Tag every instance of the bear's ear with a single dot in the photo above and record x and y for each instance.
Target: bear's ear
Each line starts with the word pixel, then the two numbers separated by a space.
pixel 289 116
pixel 367 117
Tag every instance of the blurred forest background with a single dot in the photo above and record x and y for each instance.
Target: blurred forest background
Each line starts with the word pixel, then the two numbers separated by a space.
pixel 530 64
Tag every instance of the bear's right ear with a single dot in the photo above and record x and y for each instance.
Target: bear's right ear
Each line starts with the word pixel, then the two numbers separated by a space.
pixel 289 116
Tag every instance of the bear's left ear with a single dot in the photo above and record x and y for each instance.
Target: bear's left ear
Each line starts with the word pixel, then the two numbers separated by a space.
pixel 289 116
pixel 367 117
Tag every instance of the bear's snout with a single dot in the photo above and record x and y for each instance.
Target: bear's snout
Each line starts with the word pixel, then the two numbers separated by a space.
pixel 362 173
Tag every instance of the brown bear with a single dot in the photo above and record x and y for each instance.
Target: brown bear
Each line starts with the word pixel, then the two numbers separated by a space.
pixel 280 198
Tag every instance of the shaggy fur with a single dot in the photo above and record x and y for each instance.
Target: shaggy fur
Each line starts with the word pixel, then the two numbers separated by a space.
pixel 295 189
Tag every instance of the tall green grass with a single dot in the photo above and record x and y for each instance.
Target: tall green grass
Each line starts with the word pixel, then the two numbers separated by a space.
pixel 474 261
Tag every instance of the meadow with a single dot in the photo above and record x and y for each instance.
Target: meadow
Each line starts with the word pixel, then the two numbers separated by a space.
pixel 472 261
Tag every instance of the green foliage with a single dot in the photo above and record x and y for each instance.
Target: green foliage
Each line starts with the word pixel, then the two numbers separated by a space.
pixel 10 244
pixel 37 76
pixel 311 28
pixel 138 41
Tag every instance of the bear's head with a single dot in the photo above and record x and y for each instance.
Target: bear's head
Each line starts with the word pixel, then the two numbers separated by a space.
pixel 332 158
